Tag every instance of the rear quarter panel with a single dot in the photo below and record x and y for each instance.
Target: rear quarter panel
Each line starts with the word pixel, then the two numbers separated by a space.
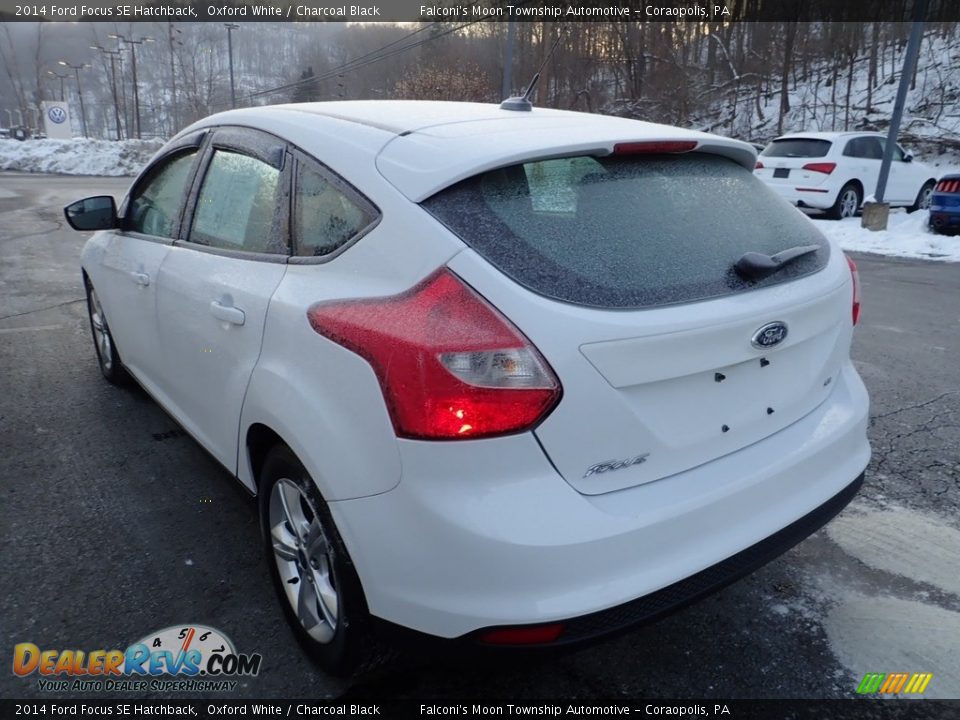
pixel 323 400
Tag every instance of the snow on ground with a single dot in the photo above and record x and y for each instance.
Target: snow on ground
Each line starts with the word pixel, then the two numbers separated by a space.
pixel 906 236
pixel 78 156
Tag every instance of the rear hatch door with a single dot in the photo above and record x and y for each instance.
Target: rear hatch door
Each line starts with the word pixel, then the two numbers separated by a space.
pixel 795 162
pixel 622 276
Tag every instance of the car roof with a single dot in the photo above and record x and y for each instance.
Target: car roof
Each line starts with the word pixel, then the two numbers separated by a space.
pixel 422 147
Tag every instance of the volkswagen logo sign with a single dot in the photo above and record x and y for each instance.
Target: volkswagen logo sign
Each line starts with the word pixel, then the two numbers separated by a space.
pixel 770 335
pixel 57 114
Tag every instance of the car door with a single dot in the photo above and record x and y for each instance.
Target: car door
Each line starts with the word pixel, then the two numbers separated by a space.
pixel 151 221
pixel 904 181
pixel 867 153
pixel 215 285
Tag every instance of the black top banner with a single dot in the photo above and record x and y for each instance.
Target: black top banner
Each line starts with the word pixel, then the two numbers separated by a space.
pixel 713 11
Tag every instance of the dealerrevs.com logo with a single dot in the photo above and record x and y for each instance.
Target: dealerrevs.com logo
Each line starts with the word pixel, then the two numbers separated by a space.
pixel 179 658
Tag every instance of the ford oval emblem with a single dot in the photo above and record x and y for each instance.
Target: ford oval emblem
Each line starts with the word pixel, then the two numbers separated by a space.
pixel 770 335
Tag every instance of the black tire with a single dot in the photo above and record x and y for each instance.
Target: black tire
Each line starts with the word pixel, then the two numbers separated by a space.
pixel 108 357
pixel 842 207
pixel 346 645
pixel 923 197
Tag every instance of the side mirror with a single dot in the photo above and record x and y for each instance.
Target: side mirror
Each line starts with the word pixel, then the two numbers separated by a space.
pixel 907 157
pixel 92 213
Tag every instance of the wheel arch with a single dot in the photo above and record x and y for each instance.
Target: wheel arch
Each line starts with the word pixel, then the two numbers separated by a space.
pixel 858 183
pixel 283 403
pixel 260 438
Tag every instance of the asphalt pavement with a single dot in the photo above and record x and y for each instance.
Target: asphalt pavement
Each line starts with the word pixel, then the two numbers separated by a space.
pixel 114 523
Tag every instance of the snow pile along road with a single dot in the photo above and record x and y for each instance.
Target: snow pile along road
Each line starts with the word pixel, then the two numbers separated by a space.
pixel 78 156
pixel 906 236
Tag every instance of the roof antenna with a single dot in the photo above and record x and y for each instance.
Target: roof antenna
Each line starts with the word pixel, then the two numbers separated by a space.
pixel 522 103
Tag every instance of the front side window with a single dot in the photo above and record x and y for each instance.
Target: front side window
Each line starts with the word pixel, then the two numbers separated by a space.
pixel 874 148
pixel 155 204
pixel 237 205
pixel 324 217
pixel 897 151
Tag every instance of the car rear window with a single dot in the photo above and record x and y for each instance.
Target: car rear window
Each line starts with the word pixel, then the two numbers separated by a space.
pixel 629 231
pixel 797 147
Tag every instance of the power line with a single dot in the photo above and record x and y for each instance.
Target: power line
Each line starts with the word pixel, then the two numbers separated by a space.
pixel 367 59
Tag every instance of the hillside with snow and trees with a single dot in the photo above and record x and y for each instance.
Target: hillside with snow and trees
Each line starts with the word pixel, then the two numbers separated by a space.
pixel 749 80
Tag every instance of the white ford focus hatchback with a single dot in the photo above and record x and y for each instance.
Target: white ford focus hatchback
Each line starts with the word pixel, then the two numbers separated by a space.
pixel 517 378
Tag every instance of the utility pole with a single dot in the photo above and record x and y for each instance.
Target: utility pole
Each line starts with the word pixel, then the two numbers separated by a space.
pixel 233 91
pixel 909 63
pixel 62 76
pixel 173 74
pixel 133 42
pixel 114 54
pixel 876 214
pixel 76 69
pixel 124 105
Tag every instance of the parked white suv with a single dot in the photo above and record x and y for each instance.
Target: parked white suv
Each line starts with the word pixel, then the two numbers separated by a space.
pixel 835 171
pixel 512 377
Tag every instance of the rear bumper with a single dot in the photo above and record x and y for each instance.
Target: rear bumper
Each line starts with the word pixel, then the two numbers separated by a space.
pixel 945 220
pixel 484 533
pixel 820 198
pixel 706 582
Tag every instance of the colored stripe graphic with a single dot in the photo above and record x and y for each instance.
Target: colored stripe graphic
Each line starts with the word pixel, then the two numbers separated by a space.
pixel 894 683
pixel 870 683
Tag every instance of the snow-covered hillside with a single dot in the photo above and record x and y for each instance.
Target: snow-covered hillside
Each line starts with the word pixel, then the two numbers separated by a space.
pixel 931 121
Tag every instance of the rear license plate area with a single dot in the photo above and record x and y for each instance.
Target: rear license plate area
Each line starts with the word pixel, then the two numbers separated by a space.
pixel 781 172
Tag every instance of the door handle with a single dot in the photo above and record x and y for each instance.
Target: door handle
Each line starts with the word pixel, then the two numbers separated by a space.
pixel 227 313
pixel 140 278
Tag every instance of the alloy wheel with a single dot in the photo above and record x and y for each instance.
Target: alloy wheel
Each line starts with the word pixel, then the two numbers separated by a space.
pixel 101 333
pixel 848 203
pixel 303 556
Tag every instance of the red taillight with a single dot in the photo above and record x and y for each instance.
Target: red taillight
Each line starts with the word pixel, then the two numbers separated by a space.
pixel 948 186
pixel 825 168
pixel 758 166
pixel 522 635
pixel 856 290
pixel 450 366
pixel 654 146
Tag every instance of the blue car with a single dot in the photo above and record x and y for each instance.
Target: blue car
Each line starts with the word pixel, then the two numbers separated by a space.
pixel 945 205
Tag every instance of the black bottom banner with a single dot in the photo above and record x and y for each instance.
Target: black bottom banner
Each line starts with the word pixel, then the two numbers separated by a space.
pixel 667 710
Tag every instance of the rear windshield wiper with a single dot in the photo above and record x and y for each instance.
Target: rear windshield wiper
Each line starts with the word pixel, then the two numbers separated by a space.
pixel 757 266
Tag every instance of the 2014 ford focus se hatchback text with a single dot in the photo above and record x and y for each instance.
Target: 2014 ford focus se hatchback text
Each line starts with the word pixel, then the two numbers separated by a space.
pixel 512 377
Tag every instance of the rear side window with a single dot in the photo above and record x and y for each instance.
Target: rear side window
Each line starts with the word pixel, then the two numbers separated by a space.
pixel 797 147
pixel 627 232
pixel 155 205
pixel 326 215
pixel 868 148
pixel 237 205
